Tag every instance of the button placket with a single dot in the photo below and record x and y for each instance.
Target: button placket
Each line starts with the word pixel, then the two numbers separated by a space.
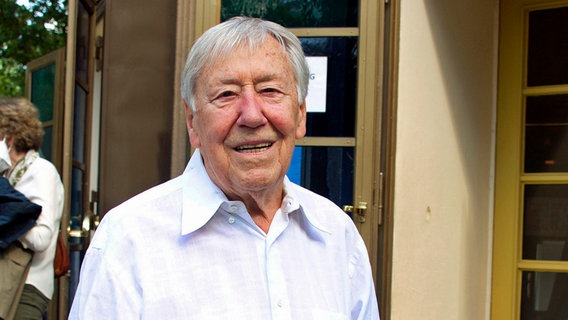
pixel 276 283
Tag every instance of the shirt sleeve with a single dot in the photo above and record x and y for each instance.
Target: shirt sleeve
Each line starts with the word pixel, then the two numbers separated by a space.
pixel 107 286
pixel 364 299
pixel 42 186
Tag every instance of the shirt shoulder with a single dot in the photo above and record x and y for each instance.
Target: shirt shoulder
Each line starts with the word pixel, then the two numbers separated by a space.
pixel 145 214
pixel 320 211
pixel 41 171
pixel 162 194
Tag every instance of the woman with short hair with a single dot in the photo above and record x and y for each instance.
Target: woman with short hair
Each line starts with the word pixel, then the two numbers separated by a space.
pixel 22 132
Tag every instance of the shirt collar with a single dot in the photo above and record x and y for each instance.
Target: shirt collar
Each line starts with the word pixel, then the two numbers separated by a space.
pixel 202 198
pixel 293 201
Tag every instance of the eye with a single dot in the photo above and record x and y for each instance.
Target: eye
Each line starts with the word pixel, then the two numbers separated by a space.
pixel 226 94
pixel 270 92
pixel 225 97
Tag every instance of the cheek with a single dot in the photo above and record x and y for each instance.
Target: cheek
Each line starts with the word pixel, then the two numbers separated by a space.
pixel 211 129
pixel 289 124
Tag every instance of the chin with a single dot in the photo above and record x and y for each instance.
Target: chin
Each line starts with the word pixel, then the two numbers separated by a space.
pixel 257 181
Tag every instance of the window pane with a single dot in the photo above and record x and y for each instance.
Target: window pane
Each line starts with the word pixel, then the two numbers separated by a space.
pixel 46 145
pixel 296 13
pixel 546 149
pixel 43 83
pixel 546 135
pixel 77 206
pixel 339 118
pixel 544 296
pixel 545 222
pixel 327 171
pixel 79 124
pixel 548 47
pixel 82 46
pixel 547 109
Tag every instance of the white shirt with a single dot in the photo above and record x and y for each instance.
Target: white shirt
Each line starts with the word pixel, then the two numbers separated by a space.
pixel 181 250
pixel 41 185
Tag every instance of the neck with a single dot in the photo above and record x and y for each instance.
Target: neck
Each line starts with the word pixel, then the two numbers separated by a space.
pixel 262 207
pixel 16 156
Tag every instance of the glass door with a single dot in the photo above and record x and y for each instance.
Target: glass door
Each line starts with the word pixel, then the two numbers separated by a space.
pixel 544 181
pixel 337 158
pixel 44 88
pixel 531 213
pixel 78 126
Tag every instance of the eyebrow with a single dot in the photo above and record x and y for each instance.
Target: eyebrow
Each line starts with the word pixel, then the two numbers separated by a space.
pixel 267 77
pixel 259 79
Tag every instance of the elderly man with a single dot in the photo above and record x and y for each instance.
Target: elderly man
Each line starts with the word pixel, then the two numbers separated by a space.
pixel 232 238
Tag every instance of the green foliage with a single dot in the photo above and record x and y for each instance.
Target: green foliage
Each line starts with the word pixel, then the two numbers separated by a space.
pixel 12 78
pixel 26 33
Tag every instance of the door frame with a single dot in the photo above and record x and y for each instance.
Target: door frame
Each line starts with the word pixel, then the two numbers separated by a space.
pixel 79 238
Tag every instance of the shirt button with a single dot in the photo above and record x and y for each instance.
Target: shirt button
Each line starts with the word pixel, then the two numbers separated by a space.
pixel 233 208
pixel 280 303
pixel 231 220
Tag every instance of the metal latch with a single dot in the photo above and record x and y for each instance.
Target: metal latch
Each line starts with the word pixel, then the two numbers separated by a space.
pixel 360 211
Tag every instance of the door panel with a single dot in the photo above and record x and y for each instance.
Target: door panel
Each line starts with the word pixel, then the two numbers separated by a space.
pixel 531 220
pixel 44 88
pixel 77 131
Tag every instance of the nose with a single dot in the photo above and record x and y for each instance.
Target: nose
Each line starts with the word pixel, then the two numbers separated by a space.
pixel 251 112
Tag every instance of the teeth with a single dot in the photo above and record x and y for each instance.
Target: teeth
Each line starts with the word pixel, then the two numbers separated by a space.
pixel 253 148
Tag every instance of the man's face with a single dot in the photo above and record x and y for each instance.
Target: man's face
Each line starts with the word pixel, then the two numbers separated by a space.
pixel 247 119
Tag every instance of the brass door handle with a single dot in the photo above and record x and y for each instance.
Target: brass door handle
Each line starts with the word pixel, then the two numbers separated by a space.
pixel 360 211
pixel 90 223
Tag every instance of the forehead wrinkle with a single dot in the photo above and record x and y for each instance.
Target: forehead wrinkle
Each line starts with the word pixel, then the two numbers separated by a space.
pixel 227 77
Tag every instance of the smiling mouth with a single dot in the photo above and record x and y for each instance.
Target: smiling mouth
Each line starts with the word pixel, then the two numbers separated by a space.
pixel 253 148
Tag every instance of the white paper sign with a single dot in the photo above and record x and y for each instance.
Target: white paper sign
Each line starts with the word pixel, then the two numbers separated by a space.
pixel 317 89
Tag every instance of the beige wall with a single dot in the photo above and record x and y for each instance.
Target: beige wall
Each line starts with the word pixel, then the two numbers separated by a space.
pixel 444 160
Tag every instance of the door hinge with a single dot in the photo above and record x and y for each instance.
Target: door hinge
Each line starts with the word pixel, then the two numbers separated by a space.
pixel 380 202
pixel 99 45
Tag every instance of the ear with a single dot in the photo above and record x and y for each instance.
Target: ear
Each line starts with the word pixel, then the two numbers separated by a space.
pixel 301 121
pixel 190 123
